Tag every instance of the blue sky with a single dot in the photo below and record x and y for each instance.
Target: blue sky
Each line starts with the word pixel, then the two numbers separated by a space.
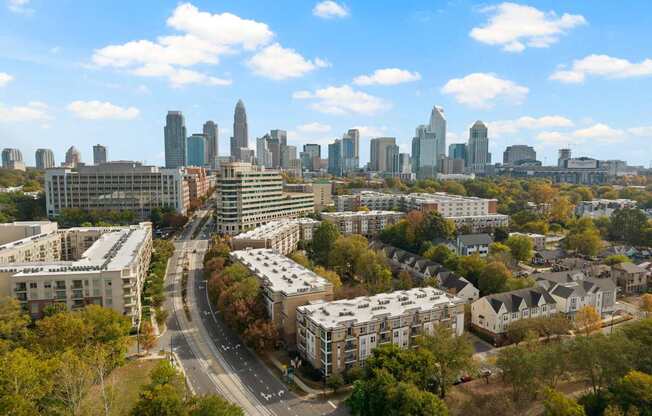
pixel 544 73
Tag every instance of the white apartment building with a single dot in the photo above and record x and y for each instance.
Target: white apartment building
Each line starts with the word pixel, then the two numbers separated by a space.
pixel 77 267
pixel 282 235
pixel 249 196
pixel 120 186
pixel 491 315
pixel 335 336
pixel 602 207
pixel 367 223
pixel 572 290
pixel 478 214
pixel 286 285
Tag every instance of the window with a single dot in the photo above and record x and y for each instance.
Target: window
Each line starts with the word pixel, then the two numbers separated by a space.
pixel 32 285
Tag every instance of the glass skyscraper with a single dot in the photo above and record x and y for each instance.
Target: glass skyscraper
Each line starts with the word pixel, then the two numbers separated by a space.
pixel 175 140
pixel 197 150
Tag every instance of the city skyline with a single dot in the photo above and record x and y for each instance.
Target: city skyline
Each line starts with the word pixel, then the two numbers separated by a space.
pixel 515 82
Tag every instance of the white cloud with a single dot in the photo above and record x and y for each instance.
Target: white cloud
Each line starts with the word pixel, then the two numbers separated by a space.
pixel 204 38
pixel 515 27
pixel 500 127
pixel 452 137
pixel 598 132
pixel 33 111
pixel 314 127
pixel 5 79
pixel 180 76
pixel 342 100
pixel 643 131
pixel 97 110
pixel 387 76
pixel 329 9
pixel 480 90
pixel 19 6
pixel 277 62
pixel 371 131
pixel 602 66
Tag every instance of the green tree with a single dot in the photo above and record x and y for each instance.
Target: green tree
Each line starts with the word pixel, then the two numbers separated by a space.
pixel 556 404
pixel 438 253
pixel 26 382
pixel 335 382
pixel 329 275
pixel 634 391
pixel 494 278
pixel 518 366
pixel 13 323
pixel 584 237
pixel 601 359
pixel 471 268
pixel 628 225
pixel 521 247
pixel 616 259
pixel 212 405
pixel 323 241
pixel 405 281
pixel 453 355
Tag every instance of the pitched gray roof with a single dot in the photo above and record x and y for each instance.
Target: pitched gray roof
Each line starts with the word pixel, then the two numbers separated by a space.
pixel 513 299
pixel 475 239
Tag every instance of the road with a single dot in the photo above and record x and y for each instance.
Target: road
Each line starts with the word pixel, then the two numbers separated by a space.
pixel 212 356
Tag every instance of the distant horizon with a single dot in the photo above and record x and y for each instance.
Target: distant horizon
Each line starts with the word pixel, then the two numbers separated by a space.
pixel 572 74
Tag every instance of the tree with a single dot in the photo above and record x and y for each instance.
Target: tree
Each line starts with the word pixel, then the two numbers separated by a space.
pixel 542 192
pixel 616 259
pixel 494 278
pixel 488 404
pixel 628 225
pixel 634 391
pixel 588 320
pixel 519 371
pixel 13 322
pixel 25 382
pixel 471 268
pixel 323 241
pixel 146 336
pixel 584 237
pixel 74 378
pixel 300 258
pixel 329 275
pixel 438 253
pixel 500 234
pixel 521 247
pixel 261 335
pixel 556 404
pixel 452 354
pixel 646 303
pixel 405 281
pixel 335 382
pixel 159 400
pixel 601 359
pixel 212 405
pixel 561 210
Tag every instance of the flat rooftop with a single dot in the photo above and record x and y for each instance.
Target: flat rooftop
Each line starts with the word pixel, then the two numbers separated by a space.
pixel 344 214
pixel 270 229
pixel 279 273
pixel 116 249
pixel 347 312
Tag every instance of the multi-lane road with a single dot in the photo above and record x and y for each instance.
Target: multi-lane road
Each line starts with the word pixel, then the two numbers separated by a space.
pixel 213 356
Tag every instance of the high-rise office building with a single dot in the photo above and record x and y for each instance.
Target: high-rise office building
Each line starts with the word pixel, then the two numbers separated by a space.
pixel 73 157
pixel 197 150
pixel 335 158
pixel 312 156
pixel 44 159
pixel 378 158
pixel 263 154
pixel 424 152
pixel 175 140
pixel 457 151
pixel 478 148
pixel 11 158
pixel 391 158
pixel 99 154
pixel 354 134
pixel 240 137
pixel 564 155
pixel 518 153
pixel 349 160
pixel 438 126
pixel 212 134
pixel 288 153
pixel 247 155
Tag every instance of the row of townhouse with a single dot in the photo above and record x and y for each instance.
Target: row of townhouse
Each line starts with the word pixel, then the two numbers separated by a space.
pixel 422 268
pixel 555 292
pixel 282 235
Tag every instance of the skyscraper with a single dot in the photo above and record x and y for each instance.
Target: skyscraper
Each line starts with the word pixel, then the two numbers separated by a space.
pixel 12 159
pixel 424 152
pixel 391 158
pixel 478 148
pixel 335 158
pixel 211 132
pixel 564 155
pixel 263 154
pixel 355 135
pixel 175 140
pixel 99 154
pixel 312 156
pixel 240 137
pixel 438 126
pixel 197 150
pixel 518 153
pixel 457 151
pixel 378 159
pixel 288 153
pixel 73 157
pixel 349 160
pixel 44 159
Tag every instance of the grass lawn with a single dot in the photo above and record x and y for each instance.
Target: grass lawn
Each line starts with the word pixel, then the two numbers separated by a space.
pixel 127 381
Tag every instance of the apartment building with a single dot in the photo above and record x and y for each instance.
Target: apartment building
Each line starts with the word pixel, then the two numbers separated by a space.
pixel 476 214
pixel 79 266
pixel 197 180
pixel 631 279
pixel 574 289
pixel 491 315
pixel 367 223
pixel 282 235
pixel 335 336
pixel 29 241
pixel 120 186
pixel 286 286
pixel 469 244
pixel 538 240
pixel 602 207
pixel 249 196
pixel 323 191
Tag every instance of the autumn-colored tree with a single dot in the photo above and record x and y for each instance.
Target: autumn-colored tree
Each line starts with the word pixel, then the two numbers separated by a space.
pixel 646 303
pixel 261 335
pixel 542 192
pixel 146 336
pixel 329 275
pixel 561 210
pixel 588 320
pixel 520 246
pixel 405 281
pixel 556 404
pixel 493 278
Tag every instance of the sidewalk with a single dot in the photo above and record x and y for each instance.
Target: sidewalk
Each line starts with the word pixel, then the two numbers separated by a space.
pixel 300 383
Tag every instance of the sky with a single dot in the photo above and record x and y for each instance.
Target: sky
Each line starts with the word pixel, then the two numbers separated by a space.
pixel 549 74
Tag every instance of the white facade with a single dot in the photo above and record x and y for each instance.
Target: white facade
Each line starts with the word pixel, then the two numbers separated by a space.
pixel 282 235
